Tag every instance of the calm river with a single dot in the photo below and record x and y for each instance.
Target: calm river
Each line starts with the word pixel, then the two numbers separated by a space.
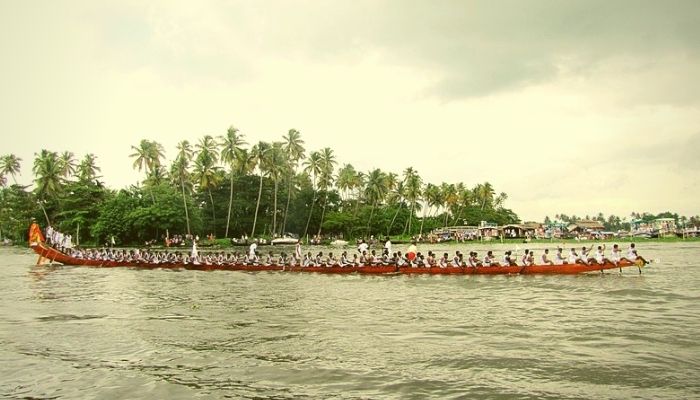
pixel 77 332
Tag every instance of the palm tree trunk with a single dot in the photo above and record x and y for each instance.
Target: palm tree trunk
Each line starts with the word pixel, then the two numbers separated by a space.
pixel 213 212
pixel 230 204
pixel 184 202
pixel 410 217
pixel 371 214
pixel 388 231
pixel 48 222
pixel 422 221
pixel 257 206
pixel 274 212
pixel 311 210
pixel 459 214
pixel 286 209
pixel 323 214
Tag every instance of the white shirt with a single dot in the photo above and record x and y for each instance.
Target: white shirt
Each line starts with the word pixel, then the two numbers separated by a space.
pixel 599 256
pixel 362 247
pixel 387 246
pixel 615 256
pixel 252 248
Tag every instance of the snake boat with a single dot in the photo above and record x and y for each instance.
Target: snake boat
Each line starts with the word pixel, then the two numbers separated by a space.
pixel 53 255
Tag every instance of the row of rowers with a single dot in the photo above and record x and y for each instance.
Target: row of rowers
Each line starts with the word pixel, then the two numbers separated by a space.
pixel 366 258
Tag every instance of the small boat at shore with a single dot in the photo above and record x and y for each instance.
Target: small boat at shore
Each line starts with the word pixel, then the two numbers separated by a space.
pixel 53 255
pixel 284 240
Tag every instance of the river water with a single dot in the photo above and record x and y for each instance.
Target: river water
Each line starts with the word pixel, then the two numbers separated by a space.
pixel 77 332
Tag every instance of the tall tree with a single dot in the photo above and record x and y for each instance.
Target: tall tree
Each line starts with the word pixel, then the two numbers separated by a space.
pixel 502 197
pixel 312 167
pixel 48 181
pixel 465 197
pixel 67 163
pixel 413 183
pixel 328 163
pixel 294 149
pixel 449 198
pixel 88 169
pixel 432 198
pixel 345 180
pixel 232 145
pixel 260 153
pixel 147 156
pixel 396 196
pixel 179 172
pixel 9 164
pixel 485 193
pixel 206 170
pixel 276 166
pixel 375 191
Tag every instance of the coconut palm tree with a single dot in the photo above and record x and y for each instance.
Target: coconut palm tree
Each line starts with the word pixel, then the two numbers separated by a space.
pixel 432 198
pixel 206 170
pixel 68 165
pixel 326 179
pixel 88 169
pixel 9 164
pixel 465 199
pixel 484 193
pixel 48 173
pixel 179 172
pixel 232 144
pixel 502 197
pixel 294 149
pixel 260 153
pixel 375 191
pixel 312 167
pixel 413 184
pixel 345 180
pixel 147 157
pixel 276 166
pixel 48 181
pixel 396 197
pixel 449 198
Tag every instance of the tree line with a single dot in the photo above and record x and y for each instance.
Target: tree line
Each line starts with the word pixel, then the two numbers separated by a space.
pixel 225 187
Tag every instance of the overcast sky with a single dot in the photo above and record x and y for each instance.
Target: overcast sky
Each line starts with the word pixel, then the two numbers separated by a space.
pixel 569 107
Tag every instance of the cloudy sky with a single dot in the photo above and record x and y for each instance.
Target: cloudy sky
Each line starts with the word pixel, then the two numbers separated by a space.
pixel 569 107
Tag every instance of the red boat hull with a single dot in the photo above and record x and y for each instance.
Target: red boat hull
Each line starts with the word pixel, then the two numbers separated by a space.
pixel 56 256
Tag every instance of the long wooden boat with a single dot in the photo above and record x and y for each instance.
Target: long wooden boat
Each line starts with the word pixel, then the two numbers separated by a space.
pixel 49 253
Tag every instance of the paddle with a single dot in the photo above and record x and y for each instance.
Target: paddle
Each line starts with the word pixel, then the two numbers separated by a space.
pixel 641 263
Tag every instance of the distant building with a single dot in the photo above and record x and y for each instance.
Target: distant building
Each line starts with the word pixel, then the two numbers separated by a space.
pixel 665 226
pixel 513 231
pixel 585 227
pixel 533 229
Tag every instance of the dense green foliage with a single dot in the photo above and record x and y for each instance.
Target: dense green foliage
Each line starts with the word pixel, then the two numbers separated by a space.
pixel 219 186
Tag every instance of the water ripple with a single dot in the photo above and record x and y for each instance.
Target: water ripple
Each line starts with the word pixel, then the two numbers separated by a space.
pixel 134 333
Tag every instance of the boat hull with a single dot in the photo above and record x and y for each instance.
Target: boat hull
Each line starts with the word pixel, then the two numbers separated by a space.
pixel 54 255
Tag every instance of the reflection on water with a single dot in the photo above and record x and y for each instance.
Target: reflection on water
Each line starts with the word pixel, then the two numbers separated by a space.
pixel 74 332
